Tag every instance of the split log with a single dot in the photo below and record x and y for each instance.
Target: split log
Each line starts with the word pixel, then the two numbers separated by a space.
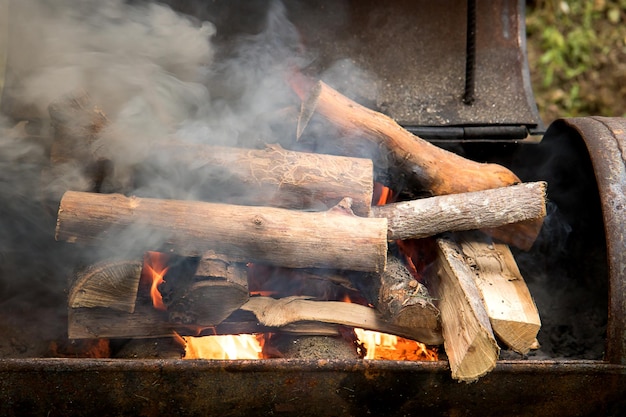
pixel 280 312
pixel 467 334
pixel 466 211
pixel 146 322
pixel 398 296
pixel 425 166
pixel 110 283
pixel 264 234
pixel 510 307
pixel 273 176
pixel 218 288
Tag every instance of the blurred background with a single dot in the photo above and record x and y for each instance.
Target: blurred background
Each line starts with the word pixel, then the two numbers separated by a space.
pixel 577 57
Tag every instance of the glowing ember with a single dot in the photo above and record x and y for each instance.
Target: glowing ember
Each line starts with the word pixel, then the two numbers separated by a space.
pixel 387 346
pixel 243 346
pixel 154 268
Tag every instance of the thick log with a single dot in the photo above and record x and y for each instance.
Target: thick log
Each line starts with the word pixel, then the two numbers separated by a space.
pixel 398 296
pixel 110 283
pixel 273 176
pixel 510 307
pixel 466 211
pixel 277 236
pixel 284 311
pixel 425 166
pixel 218 288
pixel 467 334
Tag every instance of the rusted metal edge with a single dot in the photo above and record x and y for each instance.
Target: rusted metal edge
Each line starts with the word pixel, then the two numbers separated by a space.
pixel 605 139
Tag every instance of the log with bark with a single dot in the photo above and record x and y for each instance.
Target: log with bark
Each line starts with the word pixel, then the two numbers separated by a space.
pixel 273 176
pixel 465 211
pixel 335 239
pixel 398 296
pixel 468 338
pixel 264 234
pixel 426 167
pixel 512 312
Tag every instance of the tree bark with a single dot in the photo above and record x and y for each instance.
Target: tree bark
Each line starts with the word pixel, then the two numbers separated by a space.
pixel 466 211
pixel 426 167
pixel 273 176
pixel 262 234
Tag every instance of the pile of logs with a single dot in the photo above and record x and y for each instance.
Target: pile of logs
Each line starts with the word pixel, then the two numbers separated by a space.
pixel 312 213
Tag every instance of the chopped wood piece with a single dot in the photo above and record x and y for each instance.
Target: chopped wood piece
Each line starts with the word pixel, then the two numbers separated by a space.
pixel 110 283
pixel 467 334
pixel 466 211
pixel 280 312
pixel 510 307
pixel 425 166
pixel 398 296
pixel 219 287
pixel 273 176
pixel 278 236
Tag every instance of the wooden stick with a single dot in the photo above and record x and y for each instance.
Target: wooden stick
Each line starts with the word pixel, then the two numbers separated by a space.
pixel 278 236
pixel 273 176
pixel 468 337
pixel 510 307
pixel 280 312
pixel 426 166
pixel 466 211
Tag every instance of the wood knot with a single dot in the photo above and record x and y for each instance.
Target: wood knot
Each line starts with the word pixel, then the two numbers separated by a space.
pixel 258 221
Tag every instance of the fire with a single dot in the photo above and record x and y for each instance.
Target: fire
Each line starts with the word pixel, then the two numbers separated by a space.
pixel 387 346
pixel 154 269
pixel 243 346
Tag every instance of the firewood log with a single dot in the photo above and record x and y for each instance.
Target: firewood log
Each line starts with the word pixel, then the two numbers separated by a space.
pixel 217 288
pixel 426 167
pixel 273 176
pixel 512 312
pixel 110 283
pixel 398 296
pixel 467 334
pixel 465 211
pixel 288 310
pixel 264 234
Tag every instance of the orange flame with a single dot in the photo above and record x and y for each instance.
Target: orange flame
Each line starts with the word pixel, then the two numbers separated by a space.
pixel 242 346
pixel 155 267
pixel 391 347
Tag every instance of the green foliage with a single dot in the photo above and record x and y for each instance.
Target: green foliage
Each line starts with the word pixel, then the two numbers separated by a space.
pixel 572 41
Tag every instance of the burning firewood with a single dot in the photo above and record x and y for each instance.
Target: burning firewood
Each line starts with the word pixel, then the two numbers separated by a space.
pixel 293 238
pixel 426 166
pixel 218 288
pixel 467 334
pixel 465 211
pixel 278 236
pixel 398 296
pixel 280 312
pixel 273 176
pixel 512 312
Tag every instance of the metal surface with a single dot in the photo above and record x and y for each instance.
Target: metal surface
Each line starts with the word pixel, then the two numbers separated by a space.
pixel 605 139
pixel 81 387
pixel 408 58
